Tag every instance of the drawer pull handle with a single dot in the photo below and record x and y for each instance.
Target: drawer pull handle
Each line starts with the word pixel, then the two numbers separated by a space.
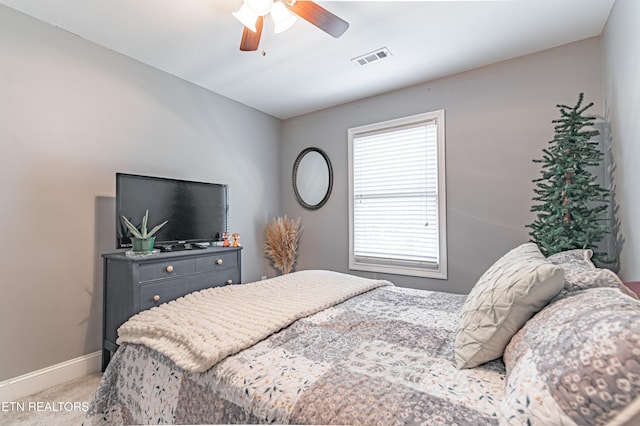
pixel 156 298
pixel 219 261
pixel 229 282
pixel 169 269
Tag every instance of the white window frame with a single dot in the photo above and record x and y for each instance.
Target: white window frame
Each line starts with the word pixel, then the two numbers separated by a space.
pixel 437 269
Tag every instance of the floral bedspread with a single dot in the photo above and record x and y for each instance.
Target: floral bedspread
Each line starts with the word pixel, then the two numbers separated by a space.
pixel 384 357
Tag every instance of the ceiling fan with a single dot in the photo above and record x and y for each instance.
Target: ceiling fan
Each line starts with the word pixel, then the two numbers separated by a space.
pixel 252 14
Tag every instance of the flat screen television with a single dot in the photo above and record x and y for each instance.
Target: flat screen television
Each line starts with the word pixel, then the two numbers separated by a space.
pixel 196 212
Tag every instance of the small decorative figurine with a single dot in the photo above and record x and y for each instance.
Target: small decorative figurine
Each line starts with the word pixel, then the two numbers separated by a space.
pixel 236 237
pixel 225 238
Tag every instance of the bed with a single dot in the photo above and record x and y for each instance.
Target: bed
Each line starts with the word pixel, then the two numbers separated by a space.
pixel 537 341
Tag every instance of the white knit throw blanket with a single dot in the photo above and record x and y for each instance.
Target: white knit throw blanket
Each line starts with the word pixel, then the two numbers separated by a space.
pixel 200 329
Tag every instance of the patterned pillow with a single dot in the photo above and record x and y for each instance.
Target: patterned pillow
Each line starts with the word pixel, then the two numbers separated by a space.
pixel 581 274
pixel 576 260
pixel 576 362
pixel 513 289
pixel 594 278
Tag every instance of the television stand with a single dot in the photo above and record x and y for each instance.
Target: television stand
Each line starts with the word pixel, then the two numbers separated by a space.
pixel 135 284
pixel 180 247
pixel 170 247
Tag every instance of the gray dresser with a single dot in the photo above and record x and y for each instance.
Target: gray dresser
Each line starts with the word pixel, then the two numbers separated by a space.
pixel 133 284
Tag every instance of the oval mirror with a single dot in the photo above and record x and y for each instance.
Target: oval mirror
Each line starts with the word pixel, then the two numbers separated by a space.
pixel 312 178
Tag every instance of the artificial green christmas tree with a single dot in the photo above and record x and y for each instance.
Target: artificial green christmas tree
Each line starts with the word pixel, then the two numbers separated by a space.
pixel 572 209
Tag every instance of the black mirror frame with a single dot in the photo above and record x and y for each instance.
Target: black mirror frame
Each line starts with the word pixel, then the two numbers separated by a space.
pixel 296 164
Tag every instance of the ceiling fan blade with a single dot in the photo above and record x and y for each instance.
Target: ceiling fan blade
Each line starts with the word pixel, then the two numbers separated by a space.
pixel 251 40
pixel 320 17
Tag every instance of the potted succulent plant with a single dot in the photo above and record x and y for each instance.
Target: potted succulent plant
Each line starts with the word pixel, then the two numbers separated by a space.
pixel 141 240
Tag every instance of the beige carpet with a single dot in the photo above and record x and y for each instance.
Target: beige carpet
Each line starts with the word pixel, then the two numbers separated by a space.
pixel 64 404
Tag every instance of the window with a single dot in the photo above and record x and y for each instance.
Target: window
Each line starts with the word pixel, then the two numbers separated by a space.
pixel 397 221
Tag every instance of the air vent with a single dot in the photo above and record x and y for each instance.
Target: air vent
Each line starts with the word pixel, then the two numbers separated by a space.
pixel 375 56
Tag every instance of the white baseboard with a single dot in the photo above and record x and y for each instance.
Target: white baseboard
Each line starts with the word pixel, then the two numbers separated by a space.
pixel 30 383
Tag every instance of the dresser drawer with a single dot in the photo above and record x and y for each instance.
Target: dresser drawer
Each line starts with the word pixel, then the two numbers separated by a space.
pixel 166 269
pixel 207 280
pixel 226 277
pixel 155 294
pixel 220 262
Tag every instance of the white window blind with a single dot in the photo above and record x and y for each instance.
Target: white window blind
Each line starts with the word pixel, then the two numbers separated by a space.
pixel 395 201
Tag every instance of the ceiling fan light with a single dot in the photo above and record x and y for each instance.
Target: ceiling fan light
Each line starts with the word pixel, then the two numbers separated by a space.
pixel 259 7
pixel 247 17
pixel 282 18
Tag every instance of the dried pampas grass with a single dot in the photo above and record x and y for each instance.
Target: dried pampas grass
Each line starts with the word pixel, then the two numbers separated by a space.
pixel 281 242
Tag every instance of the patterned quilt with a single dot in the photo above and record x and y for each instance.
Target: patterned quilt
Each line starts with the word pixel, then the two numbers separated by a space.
pixel 384 357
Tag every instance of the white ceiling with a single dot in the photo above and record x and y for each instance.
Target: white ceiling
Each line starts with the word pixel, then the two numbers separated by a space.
pixel 305 69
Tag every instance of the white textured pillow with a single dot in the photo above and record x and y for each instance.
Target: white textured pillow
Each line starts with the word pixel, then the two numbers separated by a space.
pixel 514 288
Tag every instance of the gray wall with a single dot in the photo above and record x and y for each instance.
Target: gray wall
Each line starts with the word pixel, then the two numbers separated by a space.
pixel 621 63
pixel 498 118
pixel 72 114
